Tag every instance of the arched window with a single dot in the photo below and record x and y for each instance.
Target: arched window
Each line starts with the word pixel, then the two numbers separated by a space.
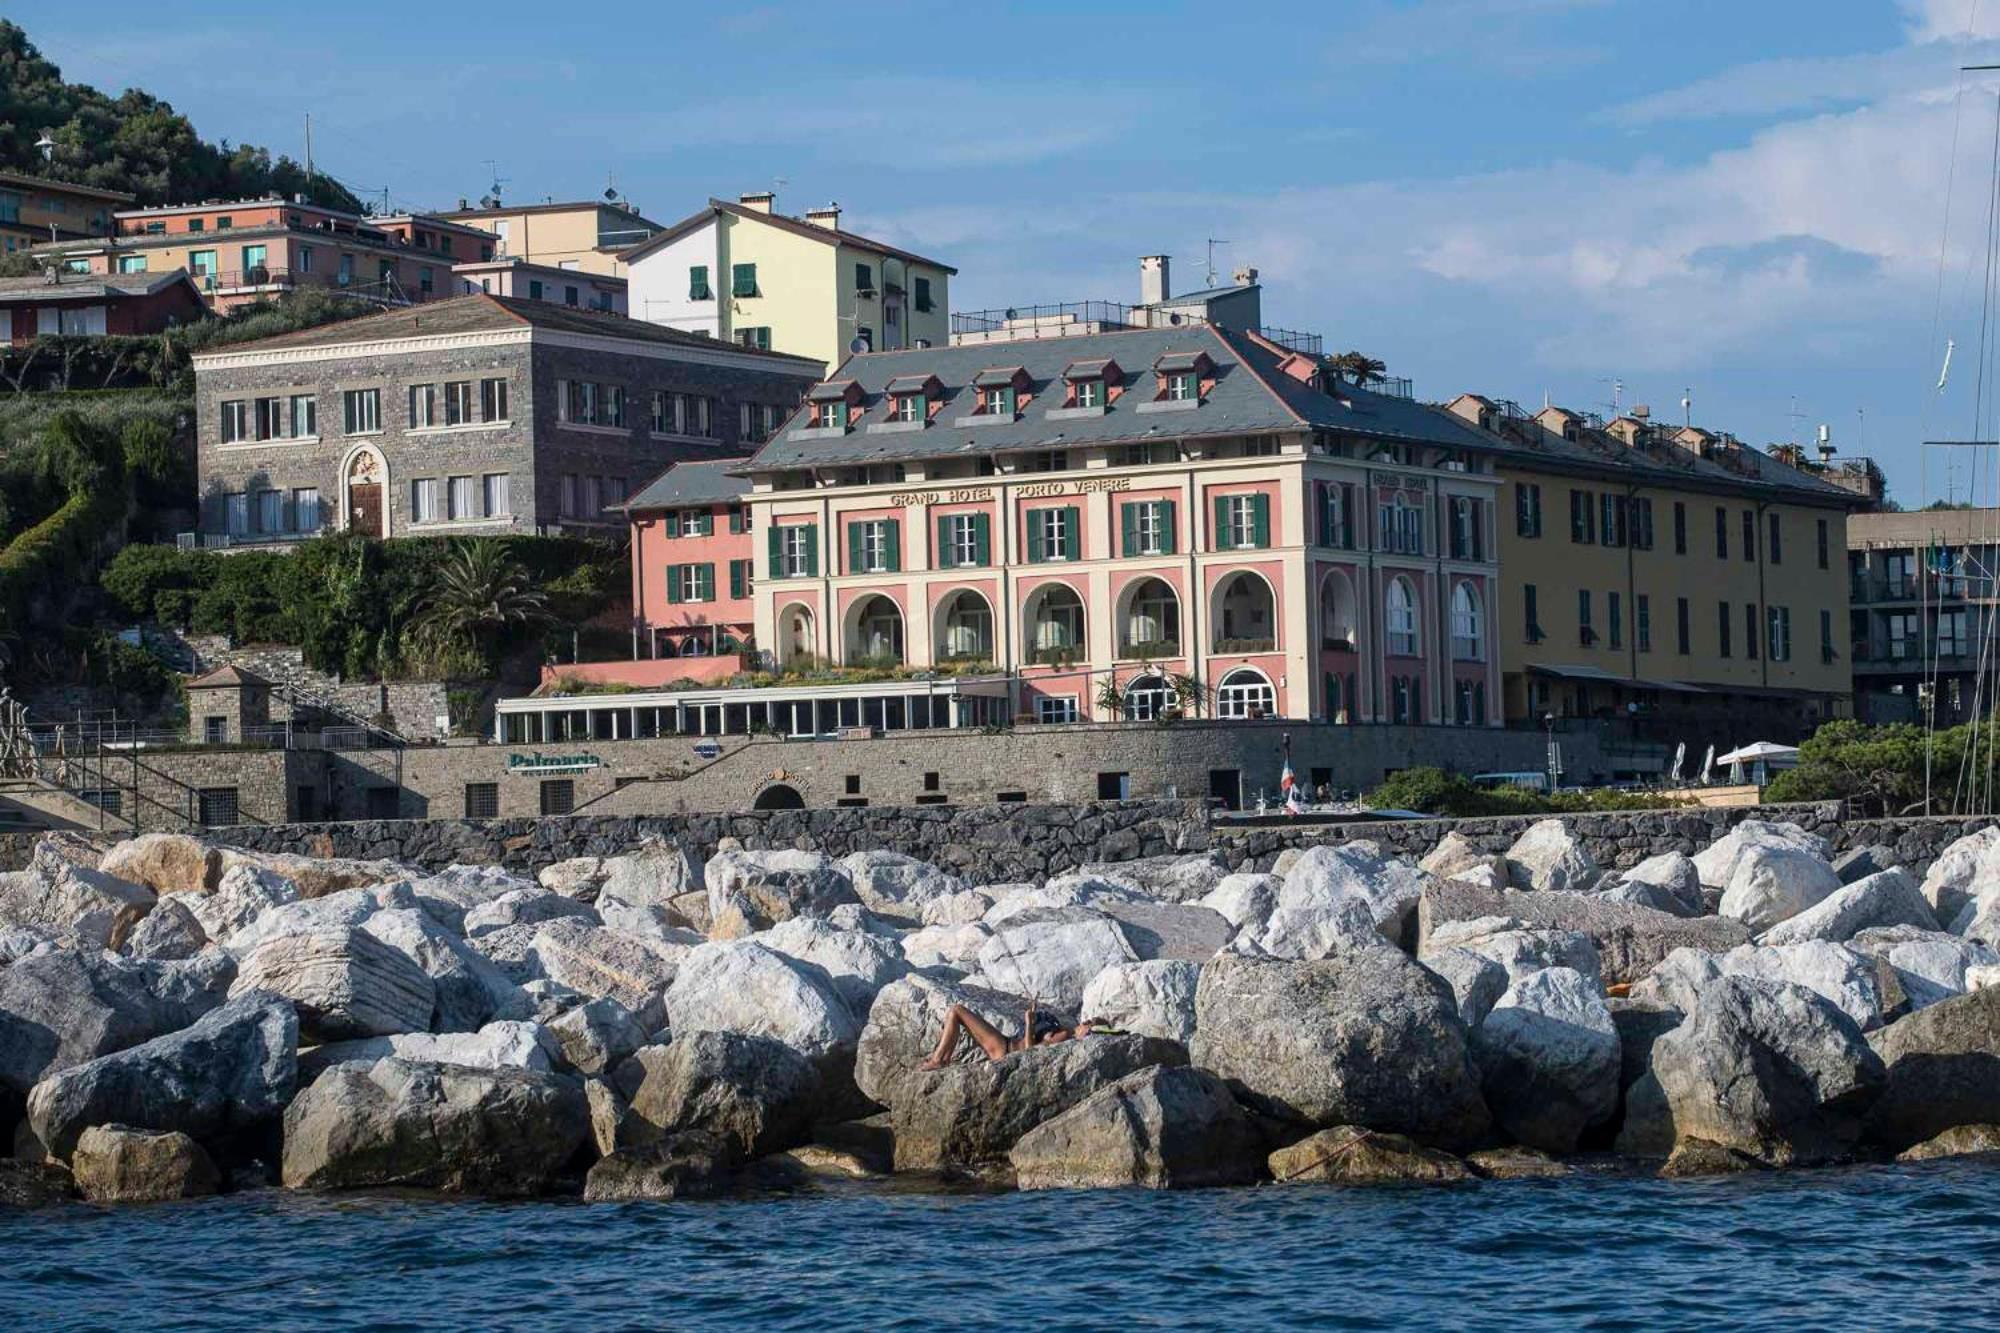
pixel 1402 619
pixel 1246 619
pixel 1055 624
pixel 1148 696
pixel 1151 626
pixel 965 628
pixel 877 636
pixel 1468 624
pixel 1336 612
pixel 1245 694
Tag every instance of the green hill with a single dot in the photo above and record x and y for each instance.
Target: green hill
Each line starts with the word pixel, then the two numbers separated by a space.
pixel 133 142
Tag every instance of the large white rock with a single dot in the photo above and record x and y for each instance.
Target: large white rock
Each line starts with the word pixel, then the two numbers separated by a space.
pixel 639 888
pixel 753 891
pixel 470 990
pixel 579 877
pixel 1175 878
pixel 345 908
pixel 164 862
pixel 858 963
pixel 1059 892
pixel 596 1035
pixel 1550 856
pixel 448 895
pixel 894 884
pixel 1153 999
pixel 525 907
pixel 1244 900
pixel 1674 874
pixel 1325 875
pixel 634 970
pixel 742 986
pixel 906 1022
pixel 1457 855
pixel 1888 898
pixel 1928 965
pixel 1519 949
pixel 1717 863
pixel 1834 972
pixel 957 909
pixel 1773 883
pixel 70 901
pixel 500 1045
pixel 343 981
pixel 955 947
pixel 1548 1056
pixel 242 894
pixel 1476 982
pixel 1961 871
pixel 1051 955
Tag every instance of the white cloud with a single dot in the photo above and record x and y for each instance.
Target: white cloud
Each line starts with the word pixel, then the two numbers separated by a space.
pixel 1950 20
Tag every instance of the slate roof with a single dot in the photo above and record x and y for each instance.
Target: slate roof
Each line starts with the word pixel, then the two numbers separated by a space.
pixel 483 312
pixel 226 677
pixel 1251 395
pixel 702 482
pixel 89 286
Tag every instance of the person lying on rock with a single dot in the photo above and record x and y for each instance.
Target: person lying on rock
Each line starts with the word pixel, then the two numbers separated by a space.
pixel 961 1022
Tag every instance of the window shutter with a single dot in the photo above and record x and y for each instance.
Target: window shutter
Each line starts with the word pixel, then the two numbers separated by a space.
pixel 855 547
pixel 812 550
pixel 1347 515
pixel 895 546
pixel 673 584
pixel 982 539
pixel 673 522
pixel 1260 520
pixel 945 559
pixel 704 582
pixel 1169 539
pixel 1218 538
pixel 1478 531
pixel 1128 529
pixel 1072 532
pixel 736 579
pixel 1034 536
pixel 777 545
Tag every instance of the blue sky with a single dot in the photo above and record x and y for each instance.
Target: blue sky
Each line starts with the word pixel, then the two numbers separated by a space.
pixel 1746 201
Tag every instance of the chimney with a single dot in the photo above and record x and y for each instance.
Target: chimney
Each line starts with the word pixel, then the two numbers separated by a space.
pixel 1154 286
pixel 759 201
pixel 461 203
pixel 828 217
pixel 1246 277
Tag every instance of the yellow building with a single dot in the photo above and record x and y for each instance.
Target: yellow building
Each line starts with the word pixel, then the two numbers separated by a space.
pixel 35 211
pixel 591 235
pixel 744 272
pixel 1662 573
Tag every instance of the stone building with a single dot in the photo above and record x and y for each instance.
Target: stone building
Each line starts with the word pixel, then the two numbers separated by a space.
pixel 1925 589
pixel 484 414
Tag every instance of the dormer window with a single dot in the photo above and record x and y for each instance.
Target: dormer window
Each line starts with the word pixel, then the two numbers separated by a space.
pixel 907 407
pixel 910 398
pixel 1000 390
pixel 1091 382
pixel 1090 393
pixel 833 404
pixel 832 416
pixel 997 401
pixel 1181 376
pixel 1181 387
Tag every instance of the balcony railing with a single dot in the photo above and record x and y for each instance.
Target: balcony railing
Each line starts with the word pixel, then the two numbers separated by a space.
pixel 1246 645
pixel 210 541
pixel 1148 649
pixel 388 291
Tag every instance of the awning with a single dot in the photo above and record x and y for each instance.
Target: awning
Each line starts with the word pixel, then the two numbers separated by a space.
pixel 1579 673
pixel 1767 750
pixel 1672 686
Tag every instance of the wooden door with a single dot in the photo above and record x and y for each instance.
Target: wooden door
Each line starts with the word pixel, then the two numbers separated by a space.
pixel 364 508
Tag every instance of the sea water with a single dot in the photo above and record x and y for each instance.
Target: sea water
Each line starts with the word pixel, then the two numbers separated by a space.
pixel 1872 1247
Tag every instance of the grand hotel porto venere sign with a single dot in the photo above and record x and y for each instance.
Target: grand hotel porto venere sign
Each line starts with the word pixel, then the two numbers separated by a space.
pixel 538 764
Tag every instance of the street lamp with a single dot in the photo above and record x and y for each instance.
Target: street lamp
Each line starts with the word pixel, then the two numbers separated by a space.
pixel 1554 762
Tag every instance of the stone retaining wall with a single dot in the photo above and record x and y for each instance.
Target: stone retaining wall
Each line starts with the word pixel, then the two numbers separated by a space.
pixel 998 843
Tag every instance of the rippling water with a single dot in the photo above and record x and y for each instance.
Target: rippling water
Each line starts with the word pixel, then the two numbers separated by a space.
pixel 1873 1246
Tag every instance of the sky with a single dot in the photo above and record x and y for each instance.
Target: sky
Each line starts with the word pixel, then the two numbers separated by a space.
pixel 1779 209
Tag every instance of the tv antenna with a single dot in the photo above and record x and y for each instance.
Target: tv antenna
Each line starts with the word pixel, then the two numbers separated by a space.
pixel 1617 392
pixel 610 188
pixel 1795 416
pixel 1212 243
pixel 492 199
pixel 1687 406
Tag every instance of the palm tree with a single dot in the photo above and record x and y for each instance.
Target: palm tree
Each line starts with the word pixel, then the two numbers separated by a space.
pixel 481 592
pixel 1358 368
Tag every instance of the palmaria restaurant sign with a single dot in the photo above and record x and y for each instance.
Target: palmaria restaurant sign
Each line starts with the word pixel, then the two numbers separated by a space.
pixel 538 763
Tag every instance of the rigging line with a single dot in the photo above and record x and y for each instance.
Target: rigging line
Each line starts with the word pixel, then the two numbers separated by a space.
pixel 1967 785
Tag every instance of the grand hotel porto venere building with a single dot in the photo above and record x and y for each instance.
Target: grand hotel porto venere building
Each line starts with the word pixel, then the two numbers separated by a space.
pixel 1020 524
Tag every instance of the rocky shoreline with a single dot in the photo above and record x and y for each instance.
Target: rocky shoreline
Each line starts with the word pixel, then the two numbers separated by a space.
pixel 179 1017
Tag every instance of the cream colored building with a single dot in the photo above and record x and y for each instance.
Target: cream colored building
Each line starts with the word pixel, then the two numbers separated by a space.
pixel 590 235
pixel 35 211
pixel 1653 571
pixel 744 272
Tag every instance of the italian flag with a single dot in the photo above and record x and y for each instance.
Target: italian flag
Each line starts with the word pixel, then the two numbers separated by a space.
pixel 1288 786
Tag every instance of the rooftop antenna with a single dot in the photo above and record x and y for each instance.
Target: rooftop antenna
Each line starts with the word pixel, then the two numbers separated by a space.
pixel 1796 417
pixel 610 188
pixel 1687 407
pixel 492 199
pixel 1212 243
pixel 309 150
pixel 1617 391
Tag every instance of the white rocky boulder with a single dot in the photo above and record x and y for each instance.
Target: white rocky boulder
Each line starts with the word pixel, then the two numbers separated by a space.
pixel 1244 900
pixel 1476 982
pixel 858 963
pixel 1360 870
pixel 1174 878
pixel 894 884
pixel 242 893
pixel 962 907
pixel 502 1045
pixel 457 889
pixel 1771 883
pixel 1060 891
pixel 954 947
pixel 758 1095
pixel 634 970
pixel 1456 856
pixel 1550 856
pixel 753 891
pixel 343 981
pixel 1888 898
pixel 169 931
pixel 1051 954
pixel 596 1035
pixel 164 862
pixel 742 986
pixel 1519 949
pixel 1669 882
pixel 525 907
pixel 341 909
pixel 70 901
pixel 1153 999
pixel 1927 965
pixel 1962 871
pixel 470 991
pixel 1717 863
pixel 1164 1127
pixel 1548 1056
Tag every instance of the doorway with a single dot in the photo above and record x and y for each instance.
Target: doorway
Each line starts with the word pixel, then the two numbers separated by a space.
pixel 364 508
pixel 1226 786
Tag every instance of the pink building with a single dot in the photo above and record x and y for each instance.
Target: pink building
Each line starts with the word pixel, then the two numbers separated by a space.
pixel 1116 525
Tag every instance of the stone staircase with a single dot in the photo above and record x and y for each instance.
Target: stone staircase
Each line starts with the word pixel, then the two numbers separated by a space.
pixel 32 805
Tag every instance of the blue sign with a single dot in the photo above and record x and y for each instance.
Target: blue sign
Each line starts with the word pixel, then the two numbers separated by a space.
pixel 708 749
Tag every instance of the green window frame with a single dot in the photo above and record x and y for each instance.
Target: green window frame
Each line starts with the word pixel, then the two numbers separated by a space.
pixel 775 548
pixel 857 546
pixel 1260 523
pixel 743 279
pixel 1132 528
pixel 923 295
pixel 698 288
pixel 739 579
pixel 1070 545
pixel 864 276
pixel 739 519
pixel 982 542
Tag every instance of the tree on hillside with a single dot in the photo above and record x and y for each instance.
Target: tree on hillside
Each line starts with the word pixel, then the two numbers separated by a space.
pixel 133 142
pixel 481 594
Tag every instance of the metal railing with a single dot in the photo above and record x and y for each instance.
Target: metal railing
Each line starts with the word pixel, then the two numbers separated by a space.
pixel 389 291
pixel 88 760
pixel 213 541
